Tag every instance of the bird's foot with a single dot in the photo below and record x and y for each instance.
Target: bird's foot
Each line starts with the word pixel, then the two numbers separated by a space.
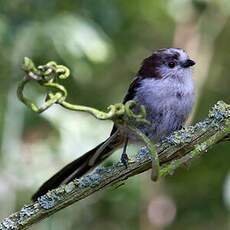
pixel 124 159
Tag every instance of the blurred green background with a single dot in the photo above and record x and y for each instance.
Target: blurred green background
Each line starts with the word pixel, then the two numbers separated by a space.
pixel 103 43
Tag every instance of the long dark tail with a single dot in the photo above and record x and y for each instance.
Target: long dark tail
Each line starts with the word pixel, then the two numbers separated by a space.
pixel 80 166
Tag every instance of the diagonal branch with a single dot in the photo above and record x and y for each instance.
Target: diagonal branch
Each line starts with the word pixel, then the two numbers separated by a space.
pixel 181 147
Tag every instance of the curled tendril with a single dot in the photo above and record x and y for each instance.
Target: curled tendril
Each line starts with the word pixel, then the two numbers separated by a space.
pixel 47 75
pixel 139 116
pixel 116 109
pixel 61 70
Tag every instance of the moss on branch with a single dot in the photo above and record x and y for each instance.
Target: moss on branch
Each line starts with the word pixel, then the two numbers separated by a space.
pixel 175 150
pixel 179 148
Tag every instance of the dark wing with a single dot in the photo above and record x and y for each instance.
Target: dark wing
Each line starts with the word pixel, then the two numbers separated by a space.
pixel 132 89
pixel 129 95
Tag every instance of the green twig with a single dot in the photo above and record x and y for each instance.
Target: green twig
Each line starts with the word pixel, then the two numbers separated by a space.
pixel 47 76
pixel 152 148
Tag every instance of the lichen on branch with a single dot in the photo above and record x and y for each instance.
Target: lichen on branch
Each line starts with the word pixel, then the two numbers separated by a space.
pixel 179 148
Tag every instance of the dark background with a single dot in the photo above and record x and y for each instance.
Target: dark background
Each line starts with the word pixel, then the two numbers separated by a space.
pixel 103 43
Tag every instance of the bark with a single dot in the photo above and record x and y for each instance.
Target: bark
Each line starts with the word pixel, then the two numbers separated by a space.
pixel 179 148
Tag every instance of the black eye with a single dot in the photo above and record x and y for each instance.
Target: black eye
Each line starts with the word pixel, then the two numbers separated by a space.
pixel 171 64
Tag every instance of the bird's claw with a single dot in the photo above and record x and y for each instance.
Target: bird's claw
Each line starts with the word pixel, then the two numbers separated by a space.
pixel 124 159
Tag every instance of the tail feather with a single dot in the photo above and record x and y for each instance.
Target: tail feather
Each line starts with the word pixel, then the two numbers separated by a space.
pixel 76 168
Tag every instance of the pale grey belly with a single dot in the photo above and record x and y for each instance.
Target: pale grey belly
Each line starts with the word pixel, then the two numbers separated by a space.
pixel 165 116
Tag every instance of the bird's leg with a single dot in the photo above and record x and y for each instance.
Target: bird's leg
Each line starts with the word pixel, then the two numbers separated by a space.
pixel 124 156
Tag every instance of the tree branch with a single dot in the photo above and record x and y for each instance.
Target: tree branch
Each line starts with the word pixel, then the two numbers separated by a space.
pixel 181 147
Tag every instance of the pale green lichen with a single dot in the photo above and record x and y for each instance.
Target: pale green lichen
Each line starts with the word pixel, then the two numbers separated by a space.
pixel 90 180
pixel 185 135
pixel 217 119
pixel 100 170
pixel 8 224
pixel 70 187
pixel 52 198
pixel 169 169
pixel 219 111
pixel 27 211
pixel 217 116
pixel 59 191
pixel 48 200
pixel 195 153
pixel 143 154
pixel 202 147
pixel 181 137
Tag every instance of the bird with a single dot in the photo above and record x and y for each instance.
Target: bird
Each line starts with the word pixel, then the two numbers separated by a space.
pixel 164 85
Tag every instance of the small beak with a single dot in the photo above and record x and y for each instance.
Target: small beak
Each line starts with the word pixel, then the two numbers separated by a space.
pixel 188 63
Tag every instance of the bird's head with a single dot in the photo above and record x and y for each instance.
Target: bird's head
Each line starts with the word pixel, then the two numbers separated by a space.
pixel 164 63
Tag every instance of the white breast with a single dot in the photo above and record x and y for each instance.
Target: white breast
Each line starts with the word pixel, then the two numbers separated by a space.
pixel 168 102
pixel 166 92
